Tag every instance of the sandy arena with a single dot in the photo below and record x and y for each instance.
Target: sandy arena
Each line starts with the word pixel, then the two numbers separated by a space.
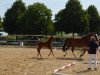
pixel 23 61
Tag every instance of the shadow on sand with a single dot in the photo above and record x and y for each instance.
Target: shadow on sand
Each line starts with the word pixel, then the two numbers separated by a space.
pixel 82 71
pixel 60 58
pixel 38 58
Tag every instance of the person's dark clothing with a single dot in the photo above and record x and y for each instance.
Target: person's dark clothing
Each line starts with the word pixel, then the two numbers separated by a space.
pixel 99 43
pixel 92 47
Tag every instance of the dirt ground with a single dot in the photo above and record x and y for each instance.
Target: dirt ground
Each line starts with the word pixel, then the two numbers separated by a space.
pixel 23 61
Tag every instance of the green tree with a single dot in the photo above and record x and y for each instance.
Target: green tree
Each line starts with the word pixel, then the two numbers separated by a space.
pixel 13 16
pixel 73 18
pixel 57 21
pixel 84 22
pixel 0 23
pixel 94 19
pixel 37 20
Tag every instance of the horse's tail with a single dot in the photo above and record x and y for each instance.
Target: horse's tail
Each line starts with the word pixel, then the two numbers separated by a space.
pixel 63 48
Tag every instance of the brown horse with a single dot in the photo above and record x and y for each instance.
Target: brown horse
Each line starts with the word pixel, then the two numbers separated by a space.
pixel 46 44
pixel 78 42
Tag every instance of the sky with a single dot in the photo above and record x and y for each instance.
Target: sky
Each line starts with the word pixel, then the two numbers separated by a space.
pixel 54 5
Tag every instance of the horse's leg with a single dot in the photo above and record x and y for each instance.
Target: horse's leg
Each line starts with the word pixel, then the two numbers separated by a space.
pixel 73 51
pixel 66 51
pixel 63 48
pixel 49 53
pixel 84 50
pixel 38 50
pixel 50 48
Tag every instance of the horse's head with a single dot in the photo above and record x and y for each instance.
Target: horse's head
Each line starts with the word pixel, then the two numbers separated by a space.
pixel 92 34
pixel 96 37
pixel 51 37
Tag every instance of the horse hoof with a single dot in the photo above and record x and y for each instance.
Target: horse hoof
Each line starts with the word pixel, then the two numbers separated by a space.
pixel 54 57
pixel 75 57
pixel 80 59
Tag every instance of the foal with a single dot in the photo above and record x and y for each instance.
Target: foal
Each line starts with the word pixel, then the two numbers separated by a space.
pixel 46 44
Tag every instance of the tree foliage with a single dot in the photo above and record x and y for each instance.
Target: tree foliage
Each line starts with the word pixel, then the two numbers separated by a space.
pixel 13 16
pixel 0 23
pixel 37 20
pixel 94 19
pixel 57 22
pixel 73 19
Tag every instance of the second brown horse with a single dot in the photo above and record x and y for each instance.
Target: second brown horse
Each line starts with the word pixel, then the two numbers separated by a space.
pixel 78 42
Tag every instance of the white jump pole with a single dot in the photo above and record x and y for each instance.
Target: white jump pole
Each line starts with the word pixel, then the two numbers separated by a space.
pixel 66 66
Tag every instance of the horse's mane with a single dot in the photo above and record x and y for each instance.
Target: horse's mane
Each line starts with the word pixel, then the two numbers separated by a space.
pixel 88 36
pixel 50 39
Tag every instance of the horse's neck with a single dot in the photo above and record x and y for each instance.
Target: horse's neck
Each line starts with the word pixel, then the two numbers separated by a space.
pixel 49 40
pixel 87 38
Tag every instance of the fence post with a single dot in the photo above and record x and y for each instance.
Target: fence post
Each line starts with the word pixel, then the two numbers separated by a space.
pixel 21 43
